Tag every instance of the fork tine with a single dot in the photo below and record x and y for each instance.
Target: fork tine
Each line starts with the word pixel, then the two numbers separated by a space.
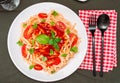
pixel 92 20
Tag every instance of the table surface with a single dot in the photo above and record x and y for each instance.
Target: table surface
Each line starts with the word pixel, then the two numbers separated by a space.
pixel 10 74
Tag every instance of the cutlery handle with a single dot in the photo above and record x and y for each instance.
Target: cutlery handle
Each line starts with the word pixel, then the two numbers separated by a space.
pixel 93 53
pixel 102 55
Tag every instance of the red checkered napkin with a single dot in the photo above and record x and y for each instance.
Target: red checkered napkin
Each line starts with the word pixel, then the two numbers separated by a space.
pixel 110 56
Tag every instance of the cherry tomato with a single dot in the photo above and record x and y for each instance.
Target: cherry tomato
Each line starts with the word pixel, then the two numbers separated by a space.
pixel 74 38
pixel 50 62
pixel 57 61
pixel 42 15
pixel 38 67
pixel 60 26
pixel 53 56
pixel 23 49
pixel 53 61
pixel 28 32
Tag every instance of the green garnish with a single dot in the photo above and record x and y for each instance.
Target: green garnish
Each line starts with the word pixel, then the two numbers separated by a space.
pixel 42 39
pixel 43 20
pixel 54 41
pixel 51 42
pixel 52 23
pixel 64 55
pixel 74 49
pixel 52 72
pixel 54 13
pixel 20 43
pixel 56 46
pixel 57 40
pixel 68 31
pixel 24 25
pixel 31 67
pixel 44 58
pixel 35 25
pixel 51 52
pixel 33 42
pixel 31 51
pixel 53 34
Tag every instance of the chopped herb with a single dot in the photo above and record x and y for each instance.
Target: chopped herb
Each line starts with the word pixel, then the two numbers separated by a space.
pixel 68 31
pixel 31 67
pixel 51 42
pixel 54 41
pixel 43 20
pixel 54 13
pixel 31 51
pixel 33 42
pixel 20 43
pixel 57 40
pixel 52 72
pixel 56 46
pixel 35 25
pixel 24 25
pixel 51 52
pixel 64 55
pixel 53 34
pixel 52 23
pixel 74 49
pixel 44 58
pixel 43 39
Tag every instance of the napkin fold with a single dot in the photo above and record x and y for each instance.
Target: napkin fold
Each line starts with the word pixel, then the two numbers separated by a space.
pixel 110 54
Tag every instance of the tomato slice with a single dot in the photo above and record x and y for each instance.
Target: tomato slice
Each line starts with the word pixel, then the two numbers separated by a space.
pixel 57 61
pixel 73 37
pixel 60 26
pixel 23 49
pixel 42 15
pixel 50 62
pixel 28 32
pixel 38 67
pixel 53 61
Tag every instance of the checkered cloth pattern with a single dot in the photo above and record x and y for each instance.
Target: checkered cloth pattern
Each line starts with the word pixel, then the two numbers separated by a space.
pixel 110 54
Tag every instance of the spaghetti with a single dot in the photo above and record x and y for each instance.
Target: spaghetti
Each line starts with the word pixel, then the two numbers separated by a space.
pixel 48 41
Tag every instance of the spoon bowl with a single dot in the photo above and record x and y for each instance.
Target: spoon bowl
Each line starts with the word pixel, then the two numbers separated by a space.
pixel 103 22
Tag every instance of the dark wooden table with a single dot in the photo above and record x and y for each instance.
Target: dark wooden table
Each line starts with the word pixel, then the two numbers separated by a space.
pixel 10 74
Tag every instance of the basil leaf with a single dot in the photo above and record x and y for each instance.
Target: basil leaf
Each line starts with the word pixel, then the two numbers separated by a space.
pixel 31 67
pixel 64 55
pixel 20 43
pixel 51 41
pixel 51 52
pixel 57 40
pixel 74 49
pixel 53 34
pixel 35 25
pixel 54 13
pixel 31 51
pixel 44 58
pixel 43 39
pixel 56 46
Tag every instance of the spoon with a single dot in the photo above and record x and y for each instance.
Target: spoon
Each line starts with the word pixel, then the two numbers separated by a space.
pixel 103 22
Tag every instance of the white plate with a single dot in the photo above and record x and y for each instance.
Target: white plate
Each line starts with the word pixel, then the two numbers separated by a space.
pixel 15 52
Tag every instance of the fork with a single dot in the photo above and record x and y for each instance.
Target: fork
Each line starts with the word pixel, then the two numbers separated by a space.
pixel 92 28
